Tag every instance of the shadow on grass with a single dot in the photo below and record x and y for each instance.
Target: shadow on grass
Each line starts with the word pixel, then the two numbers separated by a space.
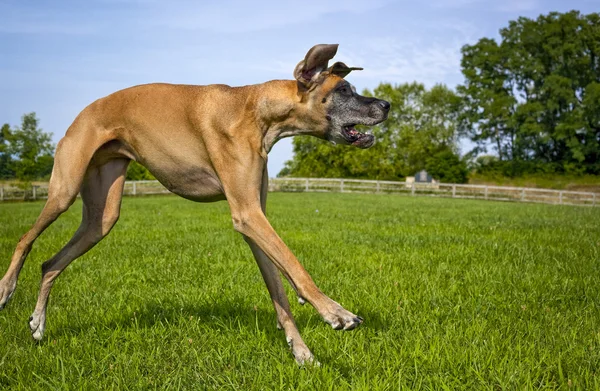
pixel 219 313
pixel 227 315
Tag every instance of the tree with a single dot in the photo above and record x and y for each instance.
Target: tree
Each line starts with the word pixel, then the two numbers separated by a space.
pixel 488 101
pixel 447 167
pixel 137 172
pixel 420 124
pixel 535 96
pixel 29 149
pixel 6 171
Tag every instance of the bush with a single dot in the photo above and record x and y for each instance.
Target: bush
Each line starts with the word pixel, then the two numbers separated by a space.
pixel 490 166
pixel 447 167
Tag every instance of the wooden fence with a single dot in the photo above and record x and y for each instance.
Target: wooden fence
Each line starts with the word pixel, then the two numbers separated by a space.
pixel 483 192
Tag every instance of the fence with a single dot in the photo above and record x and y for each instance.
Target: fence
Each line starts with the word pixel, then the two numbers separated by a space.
pixel 484 192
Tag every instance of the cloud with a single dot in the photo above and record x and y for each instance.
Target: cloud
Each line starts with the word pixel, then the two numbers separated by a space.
pixel 430 57
pixel 517 5
pixel 453 3
pixel 390 60
pixel 226 16
pixel 394 61
pixel 241 16
pixel 27 19
pixel 503 6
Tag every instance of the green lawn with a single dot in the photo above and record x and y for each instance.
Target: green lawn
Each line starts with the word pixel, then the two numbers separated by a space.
pixel 456 294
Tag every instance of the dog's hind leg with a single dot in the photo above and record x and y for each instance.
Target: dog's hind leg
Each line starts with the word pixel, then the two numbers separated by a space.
pixel 70 164
pixel 272 278
pixel 101 193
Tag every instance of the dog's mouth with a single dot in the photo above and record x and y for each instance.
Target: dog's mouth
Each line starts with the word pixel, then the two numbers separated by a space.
pixel 356 138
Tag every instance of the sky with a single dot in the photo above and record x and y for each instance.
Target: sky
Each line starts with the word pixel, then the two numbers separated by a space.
pixel 56 57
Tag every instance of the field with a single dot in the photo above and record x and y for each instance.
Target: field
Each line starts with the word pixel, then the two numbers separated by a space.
pixel 456 294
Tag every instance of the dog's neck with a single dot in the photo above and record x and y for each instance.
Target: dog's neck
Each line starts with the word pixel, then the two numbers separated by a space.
pixel 282 112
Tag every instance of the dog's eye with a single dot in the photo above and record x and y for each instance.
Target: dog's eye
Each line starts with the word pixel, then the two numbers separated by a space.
pixel 344 90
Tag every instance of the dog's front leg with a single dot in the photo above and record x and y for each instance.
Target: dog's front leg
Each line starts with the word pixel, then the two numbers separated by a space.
pixel 285 318
pixel 251 222
pixel 274 284
pixel 242 186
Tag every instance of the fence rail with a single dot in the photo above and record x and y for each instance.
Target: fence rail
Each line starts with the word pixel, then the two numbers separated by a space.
pixel 484 192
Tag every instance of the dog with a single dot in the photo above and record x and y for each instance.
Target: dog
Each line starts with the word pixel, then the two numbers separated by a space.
pixel 204 143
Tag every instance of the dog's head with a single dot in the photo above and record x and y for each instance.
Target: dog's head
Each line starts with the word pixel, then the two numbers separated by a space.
pixel 330 96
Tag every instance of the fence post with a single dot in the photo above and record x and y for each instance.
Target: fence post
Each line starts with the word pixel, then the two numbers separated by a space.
pixel 377 187
pixel 306 185
pixel 34 192
pixel 523 195
pixel 2 192
pixel 134 188
pixel 453 191
pixel 486 192
pixel 593 199
pixel 342 185
pixel 560 193
pixel 412 189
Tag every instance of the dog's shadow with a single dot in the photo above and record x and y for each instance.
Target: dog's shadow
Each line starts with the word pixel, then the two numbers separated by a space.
pixel 216 313
pixel 219 315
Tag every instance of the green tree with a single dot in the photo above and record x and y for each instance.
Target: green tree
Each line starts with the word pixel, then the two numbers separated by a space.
pixel 535 96
pixel 137 172
pixel 6 171
pixel 447 167
pixel 488 100
pixel 29 149
pixel 420 124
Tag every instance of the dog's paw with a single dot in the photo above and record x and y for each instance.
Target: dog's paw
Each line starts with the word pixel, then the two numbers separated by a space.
pixel 307 361
pixel 37 324
pixel 341 319
pixel 6 291
pixel 302 354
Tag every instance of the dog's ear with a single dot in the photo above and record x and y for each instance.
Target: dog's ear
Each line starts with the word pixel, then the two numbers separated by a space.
pixel 342 70
pixel 315 62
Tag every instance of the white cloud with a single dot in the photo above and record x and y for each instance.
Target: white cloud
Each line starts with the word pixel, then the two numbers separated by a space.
pixel 517 5
pixel 394 60
pixel 235 16
pixel 25 19
pixel 503 6
pixel 453 3
pixel 397 60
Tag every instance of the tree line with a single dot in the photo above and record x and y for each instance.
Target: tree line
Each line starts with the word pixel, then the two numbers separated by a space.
pixel 529 103
pixel 26 152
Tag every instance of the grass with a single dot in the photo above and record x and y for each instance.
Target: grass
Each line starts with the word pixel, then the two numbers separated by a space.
pixel 456 294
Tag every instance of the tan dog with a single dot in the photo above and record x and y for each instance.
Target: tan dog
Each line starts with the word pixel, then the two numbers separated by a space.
pixel 204 143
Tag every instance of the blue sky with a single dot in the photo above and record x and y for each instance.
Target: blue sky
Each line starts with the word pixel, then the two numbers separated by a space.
pixel 56 57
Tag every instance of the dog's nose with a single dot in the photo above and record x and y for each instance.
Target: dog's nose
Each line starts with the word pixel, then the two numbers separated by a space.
pixel 384 105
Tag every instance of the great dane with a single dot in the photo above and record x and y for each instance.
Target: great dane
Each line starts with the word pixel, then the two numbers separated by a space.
pixel 204 143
